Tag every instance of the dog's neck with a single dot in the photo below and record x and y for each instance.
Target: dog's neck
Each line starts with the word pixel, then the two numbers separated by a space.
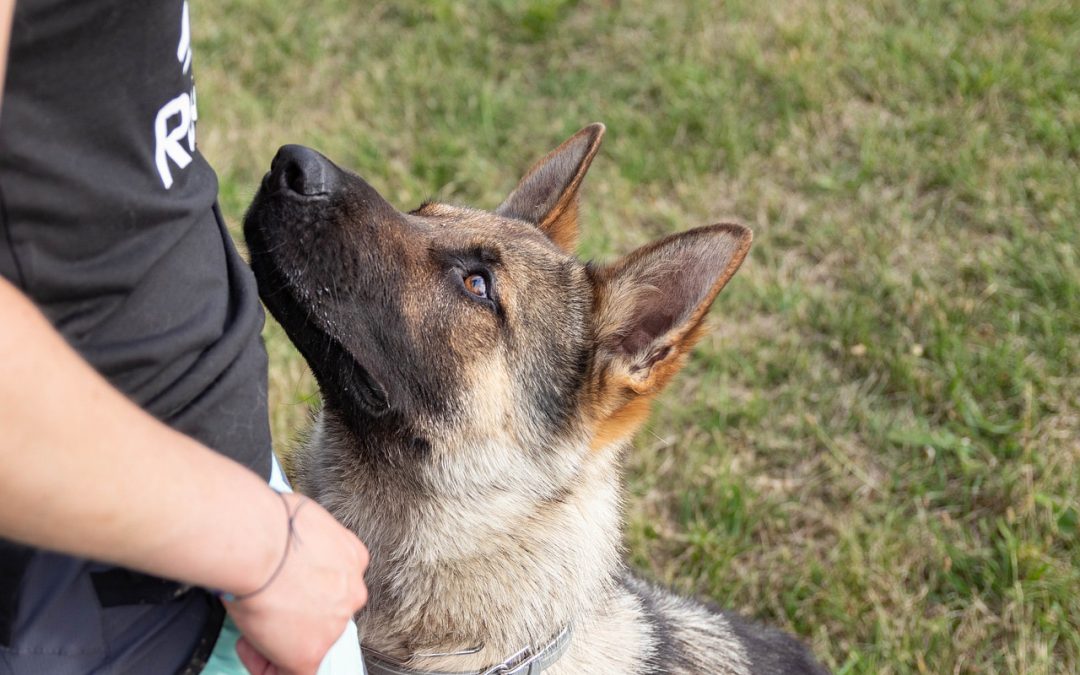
pixel 500 569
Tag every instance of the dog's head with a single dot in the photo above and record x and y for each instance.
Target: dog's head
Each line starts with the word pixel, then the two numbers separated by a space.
pixel 450 339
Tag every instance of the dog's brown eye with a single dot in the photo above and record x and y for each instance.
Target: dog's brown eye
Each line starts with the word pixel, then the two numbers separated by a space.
pixel 477 285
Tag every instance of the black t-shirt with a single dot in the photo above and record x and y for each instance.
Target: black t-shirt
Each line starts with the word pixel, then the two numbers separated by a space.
pixel 109 220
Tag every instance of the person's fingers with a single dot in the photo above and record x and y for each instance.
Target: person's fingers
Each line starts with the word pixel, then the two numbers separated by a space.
pixel 361 598
pixel 255 662
pixel 363 554
pixel 361 595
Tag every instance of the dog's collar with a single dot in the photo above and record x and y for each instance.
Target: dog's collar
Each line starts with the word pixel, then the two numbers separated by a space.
pixel 530 660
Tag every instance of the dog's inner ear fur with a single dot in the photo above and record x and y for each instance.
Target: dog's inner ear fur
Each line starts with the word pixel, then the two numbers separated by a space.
pixel 650 309
pixel 548 194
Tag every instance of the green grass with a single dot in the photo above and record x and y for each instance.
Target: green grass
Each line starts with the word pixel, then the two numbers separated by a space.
pixel 878 445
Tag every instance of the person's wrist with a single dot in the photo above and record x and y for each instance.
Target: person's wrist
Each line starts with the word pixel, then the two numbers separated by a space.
pixel 263 547
pixel 290 515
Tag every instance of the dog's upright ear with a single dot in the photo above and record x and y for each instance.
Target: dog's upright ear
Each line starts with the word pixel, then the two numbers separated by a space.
pixel 548 194
pixel 649 311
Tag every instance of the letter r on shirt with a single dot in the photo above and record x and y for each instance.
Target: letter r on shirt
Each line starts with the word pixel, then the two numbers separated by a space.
pixel 167 141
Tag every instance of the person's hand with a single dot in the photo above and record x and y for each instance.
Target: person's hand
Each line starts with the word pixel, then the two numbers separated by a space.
pixel 289 624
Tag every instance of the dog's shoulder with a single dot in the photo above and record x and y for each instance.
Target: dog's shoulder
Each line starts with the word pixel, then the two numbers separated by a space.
pixel 691 636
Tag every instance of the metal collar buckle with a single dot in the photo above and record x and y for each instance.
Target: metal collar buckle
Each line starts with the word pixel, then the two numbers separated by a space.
pixel 529 660
pixel 522 662
pixel 514 664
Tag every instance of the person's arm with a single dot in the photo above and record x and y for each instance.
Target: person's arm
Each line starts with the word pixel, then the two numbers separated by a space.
pixel 87 472
pixel 7 9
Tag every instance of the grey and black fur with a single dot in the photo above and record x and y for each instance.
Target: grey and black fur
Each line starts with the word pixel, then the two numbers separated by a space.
pixel 480 385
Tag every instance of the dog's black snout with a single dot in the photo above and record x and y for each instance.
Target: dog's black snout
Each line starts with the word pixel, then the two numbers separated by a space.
pixel 303 171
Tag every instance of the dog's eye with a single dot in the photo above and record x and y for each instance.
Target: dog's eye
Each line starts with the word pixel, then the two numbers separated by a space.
pixel 477 285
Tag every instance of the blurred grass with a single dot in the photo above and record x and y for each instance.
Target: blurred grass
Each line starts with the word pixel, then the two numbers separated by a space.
pixel 877 447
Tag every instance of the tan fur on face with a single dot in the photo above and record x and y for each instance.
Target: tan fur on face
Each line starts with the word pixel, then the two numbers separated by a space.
pixel 490 399
pixel 612 429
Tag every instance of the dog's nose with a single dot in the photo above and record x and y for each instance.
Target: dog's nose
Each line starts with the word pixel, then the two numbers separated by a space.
pixel 302 171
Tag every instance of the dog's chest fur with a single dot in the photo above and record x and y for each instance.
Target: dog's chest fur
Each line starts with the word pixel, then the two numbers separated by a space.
pixel 503 571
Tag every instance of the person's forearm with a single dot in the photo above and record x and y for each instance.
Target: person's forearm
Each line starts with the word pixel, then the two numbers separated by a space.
pixel 87 472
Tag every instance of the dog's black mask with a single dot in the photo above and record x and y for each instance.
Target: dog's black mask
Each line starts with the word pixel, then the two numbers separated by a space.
pixel 328 272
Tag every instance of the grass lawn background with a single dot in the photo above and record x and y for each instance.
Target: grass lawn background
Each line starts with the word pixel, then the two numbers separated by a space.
pixel 877 446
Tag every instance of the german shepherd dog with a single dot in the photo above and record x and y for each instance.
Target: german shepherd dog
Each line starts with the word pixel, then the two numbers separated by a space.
pixel 480 385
